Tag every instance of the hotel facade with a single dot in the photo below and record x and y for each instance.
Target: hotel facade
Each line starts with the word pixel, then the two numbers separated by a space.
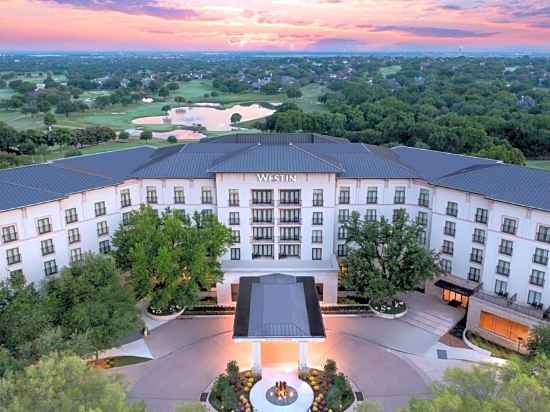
pixel 286 197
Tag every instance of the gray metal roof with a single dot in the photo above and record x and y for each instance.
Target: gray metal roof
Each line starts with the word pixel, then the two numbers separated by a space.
pixel 274 138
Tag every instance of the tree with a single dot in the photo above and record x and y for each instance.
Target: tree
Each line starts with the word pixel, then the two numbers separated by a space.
pixel 164 92
pixel 191 407
pixel 385 258
pixel 539 340
pixel 170 257
pixel 293 92
pixel 179 99
pixel 166 108
pixel 88 298
pixel 236 118
pixel 146 135
pixel 123 135
pixel 49 119
pixel 172 139
pixel 64 384
pixel 520 386
pixel 504 152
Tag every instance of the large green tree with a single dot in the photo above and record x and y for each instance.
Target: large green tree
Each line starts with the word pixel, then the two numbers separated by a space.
pixel 520 386
pixel 539 340
pixel 170 257
pixel 385 258
pixel 89 298
pixel 64 384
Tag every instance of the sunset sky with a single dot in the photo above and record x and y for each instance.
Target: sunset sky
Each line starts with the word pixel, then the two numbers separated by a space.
pixel 310 25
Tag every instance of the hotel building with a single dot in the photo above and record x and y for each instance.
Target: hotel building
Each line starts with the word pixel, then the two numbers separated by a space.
pixel 286 198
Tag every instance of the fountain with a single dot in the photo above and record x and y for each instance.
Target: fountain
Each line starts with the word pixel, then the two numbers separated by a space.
pixel 281 394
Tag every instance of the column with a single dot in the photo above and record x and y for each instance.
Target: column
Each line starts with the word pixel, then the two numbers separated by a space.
pixel 257 358
pixel 302 362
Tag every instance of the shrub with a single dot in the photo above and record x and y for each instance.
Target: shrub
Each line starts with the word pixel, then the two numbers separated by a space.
pixel 124 135
pixel 72 152
pixel 330 370
pixel 172 139
pixel 146 135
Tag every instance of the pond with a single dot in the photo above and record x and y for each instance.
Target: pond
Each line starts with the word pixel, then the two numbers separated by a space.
pixel 212 118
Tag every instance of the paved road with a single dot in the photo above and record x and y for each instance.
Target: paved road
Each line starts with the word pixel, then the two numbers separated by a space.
pixel 191 352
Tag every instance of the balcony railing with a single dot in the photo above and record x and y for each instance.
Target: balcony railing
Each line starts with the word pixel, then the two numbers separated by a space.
pixel 509 302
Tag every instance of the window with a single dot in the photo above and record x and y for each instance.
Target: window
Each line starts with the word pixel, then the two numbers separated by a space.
pixel 289 251
pixel 479 236
pixel 344 196
pixel 125 199
pixel 474 274
pixel 543 234
pixel 289 233
pixel 71 215
pixel 126 218
pixel 452 209
pixel 503 267
pixel 317 197
pixel 534 298
pixel 75 255
pixel 450 228
pixel 372 195
pixel 236 236
pixel 17 273
pixel 317 218
pixel 342 233
pixel 448 247
pixel 235 253
pixel 424 198
pixel 370 215
pixel 506 328
pixel 446 265
pixel 342 250
pixel 152 194
pixel 509 226
pixel 398 214
pixel 290 216
pixel 537 278
pixel 316 236
pixel 262 251
pixel 206 196
pixel 102 228
pixel 50 267
pixel 262 197
pixel 233 197
pixel 316 253
pixel 421 238
pixel 262 233
pixel 541 256
pixel 104 246
pixel 501 287
pixel 100 209
pixel 506 247
pixel 43 225
pixel 47 247
pixel 289 197
pixel 234 218
pixel 476 256
pixel 422 219
pixel 482 215
pixel 179 195
pixel 343 215
pixel 399 196
pixel 9 234
pixel 73 235
pixel 13 256
pixel 262 215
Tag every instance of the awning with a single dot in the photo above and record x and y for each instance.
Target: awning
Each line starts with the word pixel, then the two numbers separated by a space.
pixel 443 284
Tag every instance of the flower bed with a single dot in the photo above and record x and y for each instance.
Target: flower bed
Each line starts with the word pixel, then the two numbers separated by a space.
pixel 163 314
pixel 118 361
pixel 393 310
pixel 332 391
pixel 231 390
pixel 345 309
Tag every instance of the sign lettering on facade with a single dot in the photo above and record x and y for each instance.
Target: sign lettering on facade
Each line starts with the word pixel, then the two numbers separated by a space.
pixel 275 178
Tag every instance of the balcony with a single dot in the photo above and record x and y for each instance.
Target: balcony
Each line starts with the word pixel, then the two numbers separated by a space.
pixel 505 301
pixel 261 203
pixel 290 239
pixel 262 221
pixel 284 222
pixel 262 239
pixel 289 203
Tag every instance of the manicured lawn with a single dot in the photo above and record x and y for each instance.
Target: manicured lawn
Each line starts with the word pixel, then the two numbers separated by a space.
pixel 21 121
pixel 390 70
pixel 5 93
pixel 539 164
pixel 309 102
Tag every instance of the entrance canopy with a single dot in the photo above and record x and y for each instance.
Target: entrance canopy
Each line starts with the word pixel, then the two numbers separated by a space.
pixel 463 290
pixel 278 306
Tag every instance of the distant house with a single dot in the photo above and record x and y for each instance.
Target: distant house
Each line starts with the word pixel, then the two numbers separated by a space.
pixel 39 86
pixel 147 100
pixel 526 102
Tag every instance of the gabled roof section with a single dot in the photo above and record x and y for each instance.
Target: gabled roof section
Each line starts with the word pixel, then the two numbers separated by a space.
pixel 276 159
pixel 431 164
pixel 274 138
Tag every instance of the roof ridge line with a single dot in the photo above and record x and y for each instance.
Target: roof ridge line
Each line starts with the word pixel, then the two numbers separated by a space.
pixel 316 156
pixel 221 160
pixel 84 172
pixel 149 162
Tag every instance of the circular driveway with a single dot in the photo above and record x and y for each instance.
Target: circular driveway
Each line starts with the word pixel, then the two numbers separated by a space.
pixel 190 353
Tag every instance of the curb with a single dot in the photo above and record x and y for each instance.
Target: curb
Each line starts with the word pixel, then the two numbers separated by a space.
pixel 475 347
